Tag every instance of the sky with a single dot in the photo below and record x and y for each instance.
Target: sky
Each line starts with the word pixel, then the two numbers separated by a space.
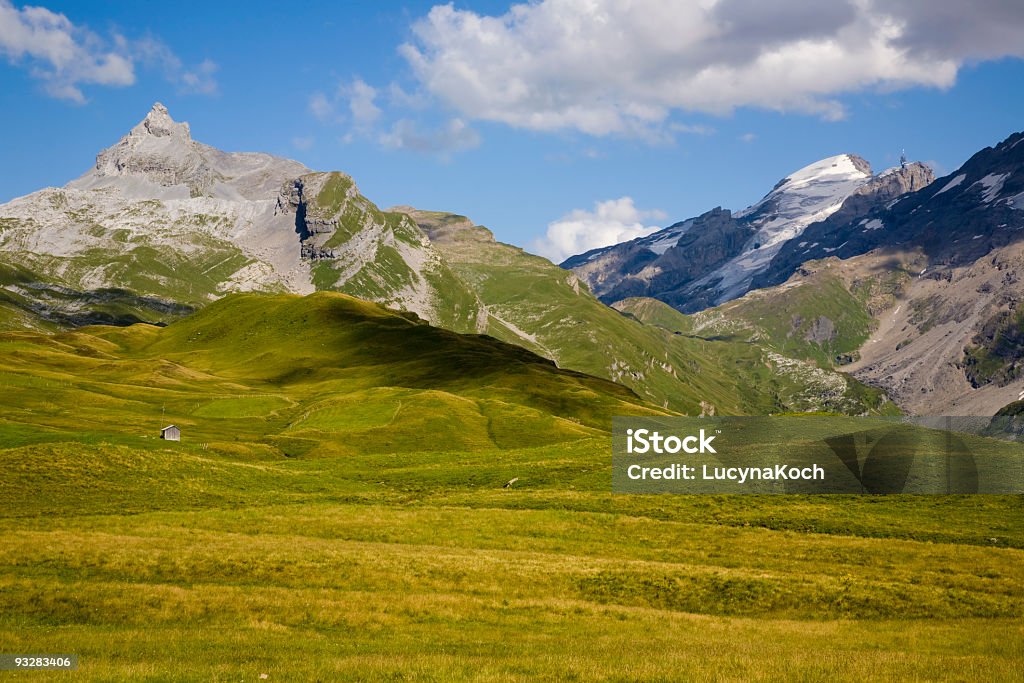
pixel 562 125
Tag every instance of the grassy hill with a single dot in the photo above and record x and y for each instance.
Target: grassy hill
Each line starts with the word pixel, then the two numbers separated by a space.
pixel 72 258
pixel 324 374
pixel 535 304
pixel 823 315
pixel 336 511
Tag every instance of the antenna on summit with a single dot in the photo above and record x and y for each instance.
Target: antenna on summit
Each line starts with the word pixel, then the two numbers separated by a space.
pixel 903 159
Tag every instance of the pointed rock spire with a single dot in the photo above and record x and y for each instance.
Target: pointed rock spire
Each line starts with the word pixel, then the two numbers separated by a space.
pixel 158 122
pixel 159 149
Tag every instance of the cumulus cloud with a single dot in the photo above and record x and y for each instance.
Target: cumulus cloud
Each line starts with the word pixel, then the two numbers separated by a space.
pixel 321 106
pixel 454 136
pixel 978 30
pixel 200 80
pixel 611 222
pixel 361 103
pixel 357 97
pixel 65 56
pixel 60 54
pixel 610 67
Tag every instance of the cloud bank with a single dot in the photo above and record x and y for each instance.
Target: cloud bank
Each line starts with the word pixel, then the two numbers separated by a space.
pixel 355 104
pixel 624 66
pixel 611 222
pixel 65 56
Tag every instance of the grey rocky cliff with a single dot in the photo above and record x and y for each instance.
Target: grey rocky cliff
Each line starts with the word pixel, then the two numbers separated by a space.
pixel 716 257
pixel 848 223
pixel 158 159
pixel 170 221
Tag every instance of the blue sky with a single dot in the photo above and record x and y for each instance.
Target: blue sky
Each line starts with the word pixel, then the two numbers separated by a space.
pixel 524 121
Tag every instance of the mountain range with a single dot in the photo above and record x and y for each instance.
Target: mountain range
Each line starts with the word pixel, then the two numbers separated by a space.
pixel 840 288
pixel 719 256
pixel 909 284
pixel 163 225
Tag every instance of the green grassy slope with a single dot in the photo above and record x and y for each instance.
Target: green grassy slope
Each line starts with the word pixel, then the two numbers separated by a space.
pixel 654 312
pixel 538 305
pixel 324 374
pixel 336 511
pixel 379 255
pixel 176 563
pixel 823 315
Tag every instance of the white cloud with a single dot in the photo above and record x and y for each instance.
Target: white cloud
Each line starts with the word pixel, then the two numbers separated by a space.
pixel 611 67
pixel 357 97
pixel 200 80
pixel 155 54
pixel 63 56
pixel 320 106
pixel 399 97
pixel 303 142
pixel 454 136
pixel 66 56
pixel 748 137
pixel 361 103
pixel 366 120
pixel 611 222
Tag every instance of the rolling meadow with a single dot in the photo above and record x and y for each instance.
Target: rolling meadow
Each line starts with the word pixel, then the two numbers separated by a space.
pixel 336 510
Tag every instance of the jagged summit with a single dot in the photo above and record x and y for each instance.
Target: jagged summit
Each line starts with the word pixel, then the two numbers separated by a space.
pixel 841 166
pixel 158 159
pixel 158 122
pixel 716 257
pixel 159 150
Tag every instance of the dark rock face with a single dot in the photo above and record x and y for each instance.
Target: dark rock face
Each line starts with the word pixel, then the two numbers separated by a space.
pixel 956 220
pixel 712 258
pixel 880 190
pixel 996 353
pixel 850 225
pixel 713 239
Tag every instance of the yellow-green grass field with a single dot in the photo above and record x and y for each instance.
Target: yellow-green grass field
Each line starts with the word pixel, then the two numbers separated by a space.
pixel 335 511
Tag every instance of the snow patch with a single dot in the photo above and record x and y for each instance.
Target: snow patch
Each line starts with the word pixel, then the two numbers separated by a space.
pixel 992 185
pixel 873 224
pixel 951 184
pixel 810 195
pixel 663 240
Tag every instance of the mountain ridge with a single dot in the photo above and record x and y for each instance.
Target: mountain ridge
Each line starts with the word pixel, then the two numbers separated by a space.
pixel 921 293
pixel 161 227
pixel 717 256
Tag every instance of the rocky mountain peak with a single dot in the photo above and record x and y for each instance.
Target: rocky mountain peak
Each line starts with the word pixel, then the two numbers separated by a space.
pixel 158 159
pixel 726 255
pixel 158 122
pixel 835 168
pixel 159 150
